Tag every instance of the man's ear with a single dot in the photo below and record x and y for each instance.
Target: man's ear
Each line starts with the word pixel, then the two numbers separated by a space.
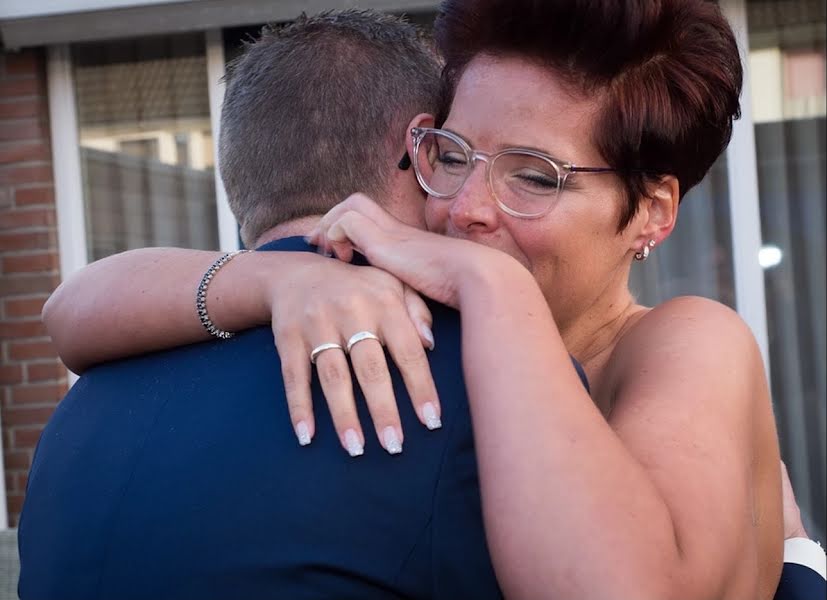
pixel 660 213
pixel 420 120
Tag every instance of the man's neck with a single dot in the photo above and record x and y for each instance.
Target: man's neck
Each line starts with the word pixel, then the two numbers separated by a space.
pixel 301 226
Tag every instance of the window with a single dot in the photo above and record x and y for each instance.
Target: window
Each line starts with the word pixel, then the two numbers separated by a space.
pixel 146 144
pixel 787 62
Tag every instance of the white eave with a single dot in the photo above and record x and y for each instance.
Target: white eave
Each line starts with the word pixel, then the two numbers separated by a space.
pixel 25 23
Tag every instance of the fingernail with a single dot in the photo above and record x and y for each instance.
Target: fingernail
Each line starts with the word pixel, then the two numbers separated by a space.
pixel 428 335
pixel 429 414
pixel 353 443
pixel 392 443
pixel 303 433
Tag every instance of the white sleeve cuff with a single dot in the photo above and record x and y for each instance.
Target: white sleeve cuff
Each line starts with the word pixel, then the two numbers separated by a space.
pixel 806 552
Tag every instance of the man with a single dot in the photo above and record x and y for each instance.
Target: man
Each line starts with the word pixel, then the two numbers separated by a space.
pixel 178 474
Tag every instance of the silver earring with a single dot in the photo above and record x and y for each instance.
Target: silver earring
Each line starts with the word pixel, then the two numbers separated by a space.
pixel 644 254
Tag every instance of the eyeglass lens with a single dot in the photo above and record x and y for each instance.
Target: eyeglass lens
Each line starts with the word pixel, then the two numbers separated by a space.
pixel 524 183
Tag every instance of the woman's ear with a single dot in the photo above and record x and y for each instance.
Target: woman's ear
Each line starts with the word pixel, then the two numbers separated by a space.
pixel 660 213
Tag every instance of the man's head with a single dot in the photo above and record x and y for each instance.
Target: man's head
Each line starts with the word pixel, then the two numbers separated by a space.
pixel 317 110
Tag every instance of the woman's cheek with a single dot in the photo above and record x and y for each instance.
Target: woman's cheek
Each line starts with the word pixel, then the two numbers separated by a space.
pixel 436 215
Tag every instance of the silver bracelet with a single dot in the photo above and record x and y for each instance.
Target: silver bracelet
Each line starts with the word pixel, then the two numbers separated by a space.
pixel 201 296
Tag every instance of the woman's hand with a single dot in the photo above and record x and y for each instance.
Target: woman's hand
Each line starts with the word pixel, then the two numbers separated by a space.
pixel 328 304
pixel 437 266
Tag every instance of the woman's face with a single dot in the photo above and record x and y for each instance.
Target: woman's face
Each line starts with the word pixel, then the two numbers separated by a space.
pixel 575 251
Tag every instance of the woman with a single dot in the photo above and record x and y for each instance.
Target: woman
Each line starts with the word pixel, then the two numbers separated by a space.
pixel 593 119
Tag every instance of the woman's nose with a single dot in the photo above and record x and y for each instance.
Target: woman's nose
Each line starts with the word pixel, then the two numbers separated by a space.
pixel 473 208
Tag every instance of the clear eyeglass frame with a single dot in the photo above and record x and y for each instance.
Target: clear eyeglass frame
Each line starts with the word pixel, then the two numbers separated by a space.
pixel 563 169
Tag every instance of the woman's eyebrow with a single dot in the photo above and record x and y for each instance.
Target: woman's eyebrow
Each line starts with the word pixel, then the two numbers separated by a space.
pixel 503 146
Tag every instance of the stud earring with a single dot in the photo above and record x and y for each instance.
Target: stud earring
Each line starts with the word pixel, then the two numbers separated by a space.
pixel 644 254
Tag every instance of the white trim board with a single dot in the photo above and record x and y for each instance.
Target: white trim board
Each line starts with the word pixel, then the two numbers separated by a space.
pixel 227 225
pixel 152 18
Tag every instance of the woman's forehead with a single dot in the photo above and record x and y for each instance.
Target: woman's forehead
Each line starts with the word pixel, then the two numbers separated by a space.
pixel 507 101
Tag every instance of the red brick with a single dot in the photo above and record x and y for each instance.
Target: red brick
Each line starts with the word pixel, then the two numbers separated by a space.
pixel 22 329
pixel 38 393
pixel 24 307
pixel 16 481
pixel 15 505
pixel 11 374
pixel 25 415
pixel 15 174
pixel 14 88
pixel 34 195
pixel 26 437
pixel 28 350
pixel 16 459
pixel 6 197
pixel 25 218
pixel 22 129
pixel 46 372
pixel 19 284
pixel 18 109
pixel 24 151
pixel 30 263
pixel 19 219
pixel 24 62
pixel 39 240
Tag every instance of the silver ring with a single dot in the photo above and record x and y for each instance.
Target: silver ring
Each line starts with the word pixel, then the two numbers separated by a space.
pixel 321 348
pixel 361 337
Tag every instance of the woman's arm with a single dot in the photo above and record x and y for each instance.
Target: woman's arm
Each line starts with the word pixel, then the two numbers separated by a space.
pixel 144 300
pixel 670 499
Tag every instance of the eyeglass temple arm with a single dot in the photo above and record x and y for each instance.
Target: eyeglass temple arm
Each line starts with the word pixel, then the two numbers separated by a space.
pixel 405 163
pixel 575 169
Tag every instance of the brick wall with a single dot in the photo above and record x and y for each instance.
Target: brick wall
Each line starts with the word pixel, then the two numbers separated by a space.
pixel 32 379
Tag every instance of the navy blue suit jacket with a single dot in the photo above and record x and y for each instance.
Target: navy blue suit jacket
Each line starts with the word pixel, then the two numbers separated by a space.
pixel 799 582
pixel 178 475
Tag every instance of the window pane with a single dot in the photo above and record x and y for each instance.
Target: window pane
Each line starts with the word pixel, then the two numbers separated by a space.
pixel 787 62
pixel 146 144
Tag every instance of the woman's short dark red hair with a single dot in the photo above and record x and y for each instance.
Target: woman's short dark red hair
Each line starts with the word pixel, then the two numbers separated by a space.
pixel 668 72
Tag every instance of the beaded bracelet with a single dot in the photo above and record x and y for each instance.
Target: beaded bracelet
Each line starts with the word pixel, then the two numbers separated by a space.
pixel 201 296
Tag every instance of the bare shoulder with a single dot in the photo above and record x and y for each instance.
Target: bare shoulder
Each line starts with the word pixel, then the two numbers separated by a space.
pixel 689 326
pixel 689 343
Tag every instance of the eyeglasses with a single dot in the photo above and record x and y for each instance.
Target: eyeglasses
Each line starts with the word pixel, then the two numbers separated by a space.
pixel 525 183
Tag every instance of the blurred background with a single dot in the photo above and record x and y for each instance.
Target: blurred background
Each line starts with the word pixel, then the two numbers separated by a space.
pixel 108 120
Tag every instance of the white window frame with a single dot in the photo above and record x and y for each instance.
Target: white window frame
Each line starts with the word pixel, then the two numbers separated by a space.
pixel 227 224
pixel 744 209
pixel 69 201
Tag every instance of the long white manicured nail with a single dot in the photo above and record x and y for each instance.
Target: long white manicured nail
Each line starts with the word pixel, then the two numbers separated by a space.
pixel 303 433
pixel 428 335
pixel 392 443
pixel 353 443
pixel 430 416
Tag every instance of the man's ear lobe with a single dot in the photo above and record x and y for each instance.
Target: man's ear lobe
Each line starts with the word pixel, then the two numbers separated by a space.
pixel 420 120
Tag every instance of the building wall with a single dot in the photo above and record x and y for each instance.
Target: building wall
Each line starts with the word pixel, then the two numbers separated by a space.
pixel 32 379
